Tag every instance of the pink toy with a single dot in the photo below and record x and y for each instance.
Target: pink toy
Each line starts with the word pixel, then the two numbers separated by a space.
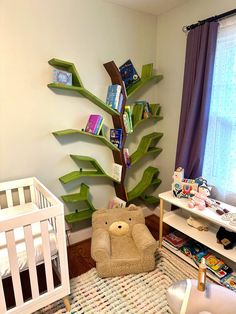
pixel 200 199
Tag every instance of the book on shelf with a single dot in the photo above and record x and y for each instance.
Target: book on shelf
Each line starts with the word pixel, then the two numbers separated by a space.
pixel 117 172
pixel 127 117
pixel 116 136
pixel 94 124
pixel 129 74
pixel 113 96
pixel 62 77
pixel 147 112
pixel 229 281
pixel 176 238
pixel 127 157
pixel 116 202
pixel 119 108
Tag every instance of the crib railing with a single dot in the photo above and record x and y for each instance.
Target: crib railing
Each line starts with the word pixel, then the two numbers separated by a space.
pixel 49 209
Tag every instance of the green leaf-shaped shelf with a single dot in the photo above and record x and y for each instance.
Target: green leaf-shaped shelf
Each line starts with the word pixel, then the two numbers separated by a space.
pixel 101 138
pixel 146 76
pixel 96 171
pixel 145 148
pixel 82 196
pixel 149 177
pixel 137 114
pixel 78 85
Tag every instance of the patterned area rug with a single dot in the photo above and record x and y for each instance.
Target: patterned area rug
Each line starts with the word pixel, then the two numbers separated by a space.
pixel 133 294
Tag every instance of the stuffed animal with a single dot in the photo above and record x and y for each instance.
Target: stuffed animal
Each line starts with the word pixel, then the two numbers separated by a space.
pixel 227 238
pixel 121 242
pixel 200 199
pixel 199 224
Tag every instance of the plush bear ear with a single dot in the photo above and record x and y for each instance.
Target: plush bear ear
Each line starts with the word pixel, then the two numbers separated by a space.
pixel 132 207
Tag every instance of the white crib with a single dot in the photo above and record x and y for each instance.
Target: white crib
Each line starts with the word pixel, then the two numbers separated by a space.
pixel 32 232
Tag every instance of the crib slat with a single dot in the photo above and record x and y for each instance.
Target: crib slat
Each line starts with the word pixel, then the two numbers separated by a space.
pixel 31 261
pixel 32 193
pixel 9 198
pixel 3 307
pixel 21 195
pixel 61 242
pixel 47 255
pixel 11 246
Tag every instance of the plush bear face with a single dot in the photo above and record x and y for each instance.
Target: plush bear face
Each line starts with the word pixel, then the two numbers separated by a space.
pixel 118 221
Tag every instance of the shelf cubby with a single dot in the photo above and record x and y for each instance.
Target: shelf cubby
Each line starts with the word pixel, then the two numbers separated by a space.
pixel 146 77
pixel 75 198
pixel 78 85
pixel 96 171
pixel 145 148
pixel 101 138
pixel 137 114
pixel 149 176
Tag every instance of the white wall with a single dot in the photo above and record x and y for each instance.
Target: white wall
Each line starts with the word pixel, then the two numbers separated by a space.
pixel 171 43
pixel 88 33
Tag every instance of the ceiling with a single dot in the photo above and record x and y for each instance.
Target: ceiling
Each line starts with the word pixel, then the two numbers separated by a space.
pixel 155 7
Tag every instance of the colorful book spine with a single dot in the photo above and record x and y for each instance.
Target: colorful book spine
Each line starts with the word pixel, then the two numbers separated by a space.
pixel 127 157
pixel 119 108
pixel 116 137
pixel 113 96
pixel 92 124
pixel 99 126
pixel 128 120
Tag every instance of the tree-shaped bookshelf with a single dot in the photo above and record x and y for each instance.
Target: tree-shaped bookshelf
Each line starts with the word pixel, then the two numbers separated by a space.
pixel 145 147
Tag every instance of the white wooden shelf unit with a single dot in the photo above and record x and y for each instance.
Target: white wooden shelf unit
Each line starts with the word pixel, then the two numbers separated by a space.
pixel 178 220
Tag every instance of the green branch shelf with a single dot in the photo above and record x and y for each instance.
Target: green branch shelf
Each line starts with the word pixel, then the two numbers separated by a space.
pixel 146 145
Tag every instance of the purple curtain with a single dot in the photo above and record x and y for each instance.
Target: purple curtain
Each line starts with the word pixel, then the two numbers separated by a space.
pixel 199 64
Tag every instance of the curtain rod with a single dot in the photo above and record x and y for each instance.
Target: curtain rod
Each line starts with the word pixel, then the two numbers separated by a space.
pixel 209 19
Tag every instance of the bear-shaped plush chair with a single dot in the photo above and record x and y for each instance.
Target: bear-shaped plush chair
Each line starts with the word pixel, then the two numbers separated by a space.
pixel 121 242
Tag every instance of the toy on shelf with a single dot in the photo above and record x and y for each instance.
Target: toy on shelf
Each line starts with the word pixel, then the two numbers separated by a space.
pixel 199 224
pixel 183 188
pixel 227 238
pixel 200 199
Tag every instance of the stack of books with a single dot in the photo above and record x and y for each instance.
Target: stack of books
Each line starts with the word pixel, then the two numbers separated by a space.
pixel 94 124
pixel 127 117
pixel 175 239
pixel 115 97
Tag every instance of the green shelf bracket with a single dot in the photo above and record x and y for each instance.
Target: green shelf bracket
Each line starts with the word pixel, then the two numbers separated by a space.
pixel 96 171
pixel 82 196
pixel 78 216
pixel 146 76
pixel 137 114
pixel 150 174
pixel 146 147
pixel 150 199
pixel 78 86
pixel 101 138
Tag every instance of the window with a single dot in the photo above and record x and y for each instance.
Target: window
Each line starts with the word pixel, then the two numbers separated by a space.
pixel 220 154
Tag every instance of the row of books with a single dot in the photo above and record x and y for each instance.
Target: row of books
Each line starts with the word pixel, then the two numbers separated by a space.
pixel 115 97
pixel 147 111
pixel 196 251
pixel 94 124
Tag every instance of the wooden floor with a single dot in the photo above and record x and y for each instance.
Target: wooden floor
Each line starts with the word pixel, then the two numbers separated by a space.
pixel 79 258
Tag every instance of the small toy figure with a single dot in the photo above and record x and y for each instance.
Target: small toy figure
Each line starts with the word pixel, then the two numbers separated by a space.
pixel 200 199
pixel 199 224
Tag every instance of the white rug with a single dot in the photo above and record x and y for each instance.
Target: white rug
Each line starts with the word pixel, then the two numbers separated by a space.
pixel 134 294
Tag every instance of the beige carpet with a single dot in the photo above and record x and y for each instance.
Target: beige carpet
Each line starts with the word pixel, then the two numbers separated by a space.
pixel 134 294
